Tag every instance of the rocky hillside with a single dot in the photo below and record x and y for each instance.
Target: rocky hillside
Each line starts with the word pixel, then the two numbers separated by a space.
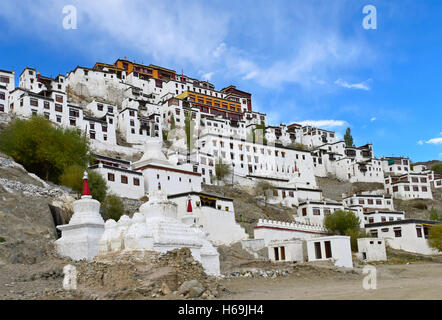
pixel 248 210
pixel 27 227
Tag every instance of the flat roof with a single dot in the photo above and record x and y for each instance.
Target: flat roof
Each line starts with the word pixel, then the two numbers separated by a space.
pixel 399 222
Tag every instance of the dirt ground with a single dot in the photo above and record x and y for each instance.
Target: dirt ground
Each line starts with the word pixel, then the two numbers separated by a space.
pixel 409 282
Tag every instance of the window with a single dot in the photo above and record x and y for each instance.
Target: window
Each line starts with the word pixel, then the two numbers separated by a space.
pixel 316 211
pixel 132 113
pixel 328 250
pixel 58 108
pixel 378 202
pixel 72 122
pixel 424 189
pixel 99 107
pixel 74 113
pixel 59 98
pixel 4 79
pixel 304 212
pixel 59 119
pixel 419 232
pixel 136 182
pixel 124 179
pixel 46 105
pixel 110 177
pixel 276 253
pixel 398 232
pixel 2 96
pixel 34 102
pixel 318 253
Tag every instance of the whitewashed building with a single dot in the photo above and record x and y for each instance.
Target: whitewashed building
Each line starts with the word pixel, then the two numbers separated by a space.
pixel 7 84
pixel 372 249
pixel 383 216
pixel 215 214
pixel 270 230
pixel 370 202
pixel 408 235
pixel 408 186
pixel 334 248
pixel 396 165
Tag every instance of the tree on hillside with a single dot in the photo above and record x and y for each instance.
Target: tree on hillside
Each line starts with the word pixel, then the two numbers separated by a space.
pixel 72 177
pixel 341 222
pixel 221 169
pixel 435 216
pixel 112 207
pixel 263 188
pixel 437 167
pixel 189 128
pixel 44 149
pixel 172 122
pixel 348 138
pixel 435 237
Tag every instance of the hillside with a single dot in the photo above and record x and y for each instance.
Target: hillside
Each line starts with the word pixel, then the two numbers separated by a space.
pixel 247 208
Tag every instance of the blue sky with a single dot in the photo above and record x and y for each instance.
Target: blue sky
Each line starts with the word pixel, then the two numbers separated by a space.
pixel 303 61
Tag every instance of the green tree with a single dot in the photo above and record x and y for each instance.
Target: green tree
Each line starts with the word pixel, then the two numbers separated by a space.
pixel 172 122
pixel 221 169
pixel 435 237
pixel 97 186
pixel 112 207
pixel 348 138
pixel 342 222
pixel 434 215
pixel 259 134
pixel 355 235
pixel 189 127
pixel 437 167
pixel 72 177
pixel 44 149
pixel 263 188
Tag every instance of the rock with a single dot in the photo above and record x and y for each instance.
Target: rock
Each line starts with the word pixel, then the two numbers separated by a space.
pixel 192 288
pixel 165 289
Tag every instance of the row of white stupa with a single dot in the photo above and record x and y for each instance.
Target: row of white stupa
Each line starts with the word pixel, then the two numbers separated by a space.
pixel 154 228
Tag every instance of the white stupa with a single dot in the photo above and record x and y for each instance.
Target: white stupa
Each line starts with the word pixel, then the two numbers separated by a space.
pixel 156 227
pixel 79 239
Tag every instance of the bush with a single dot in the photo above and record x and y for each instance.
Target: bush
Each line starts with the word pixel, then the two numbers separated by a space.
pixel 112 207
pixel 221 170
pixel 342 222
pixel 43 148
pixel 437 167
pixel 97 186
pixel 72 177
pixel 435 216
pixel 435 237
pixel 2 239
pixel 263 188
pixel 354 236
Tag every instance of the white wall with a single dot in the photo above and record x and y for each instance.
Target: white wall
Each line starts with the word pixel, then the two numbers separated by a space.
pixel 340 250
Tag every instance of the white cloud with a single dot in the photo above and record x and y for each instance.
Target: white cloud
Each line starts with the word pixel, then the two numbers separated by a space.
pixel 326 124
pixel 434 141
pixel 373 119
pixel 360 86
pixel 420 142
pixel 207 76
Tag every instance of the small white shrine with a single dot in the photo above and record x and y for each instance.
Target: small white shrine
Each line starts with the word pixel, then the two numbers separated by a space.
pixel 156 227
pixel 79 239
